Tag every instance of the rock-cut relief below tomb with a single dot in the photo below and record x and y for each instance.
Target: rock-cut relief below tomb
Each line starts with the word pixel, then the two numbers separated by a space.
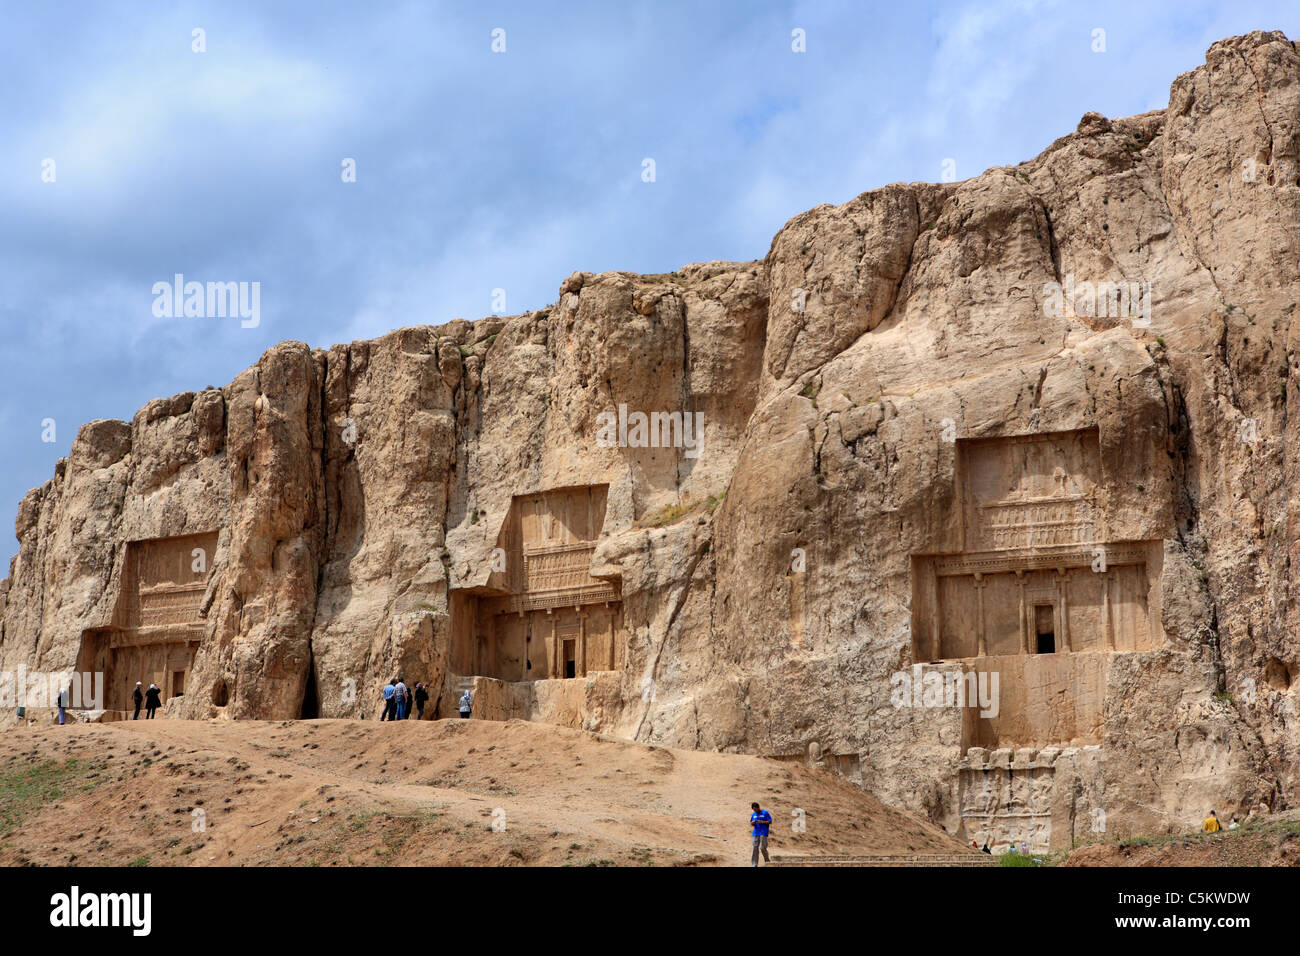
pixel 157 623
pixel 1033 605
pixel 542 616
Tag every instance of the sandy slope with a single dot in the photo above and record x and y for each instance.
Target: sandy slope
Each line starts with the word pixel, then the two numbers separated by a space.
pixel 339 792
pixel 1271 840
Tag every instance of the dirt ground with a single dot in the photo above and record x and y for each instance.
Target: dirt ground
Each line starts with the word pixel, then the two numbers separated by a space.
pixel 344 792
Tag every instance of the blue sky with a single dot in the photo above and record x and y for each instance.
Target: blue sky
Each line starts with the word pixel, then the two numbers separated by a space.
pixel 477 170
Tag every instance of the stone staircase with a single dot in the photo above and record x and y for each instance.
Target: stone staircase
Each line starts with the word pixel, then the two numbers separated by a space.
pixel 909 859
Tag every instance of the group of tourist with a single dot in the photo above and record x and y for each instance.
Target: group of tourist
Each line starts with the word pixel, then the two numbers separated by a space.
pixel 398 699
pixel 151 699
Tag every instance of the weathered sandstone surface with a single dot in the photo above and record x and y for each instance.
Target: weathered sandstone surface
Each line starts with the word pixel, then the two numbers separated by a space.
pixel 913 462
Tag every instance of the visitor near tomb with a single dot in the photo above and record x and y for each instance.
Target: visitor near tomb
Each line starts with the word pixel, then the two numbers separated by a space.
pixel 137 697
pixel 400 700
pixel 421 698
pixel 466 704
pixel 761 821
pixel 1234 824
pixel 151 701
pixel 62 701
pixel 389 691
pixel 1211 824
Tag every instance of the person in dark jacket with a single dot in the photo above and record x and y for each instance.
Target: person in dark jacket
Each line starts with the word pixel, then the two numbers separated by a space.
pixel 421 698
pixel 151 701
pixel 137 698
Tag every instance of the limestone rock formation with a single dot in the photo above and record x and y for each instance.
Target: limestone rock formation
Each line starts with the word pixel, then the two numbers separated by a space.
pixel 1025 436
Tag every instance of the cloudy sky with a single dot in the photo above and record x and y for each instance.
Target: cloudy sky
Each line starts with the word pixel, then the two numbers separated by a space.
pixel 477 170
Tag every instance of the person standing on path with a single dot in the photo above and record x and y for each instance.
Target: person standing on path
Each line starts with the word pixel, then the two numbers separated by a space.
pixel 400 699
pixel 421 698
pixel 137 697
pixel 466 704
pixel 62 701
pixel 389 690
pixel 760 820
pixel 151 701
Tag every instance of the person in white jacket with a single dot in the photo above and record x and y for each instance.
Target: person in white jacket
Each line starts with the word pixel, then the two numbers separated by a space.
pixel 466 704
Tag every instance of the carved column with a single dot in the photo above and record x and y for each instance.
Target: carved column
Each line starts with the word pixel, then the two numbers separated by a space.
pixel 936 645
pixel 619 654
pixel 1107 625
pixel 553 654
pixel 580 665
pixel 472 653
pixel 981 640
pixel 612 633
pixel 496 647
pixel 1024 623
pixel 1063 611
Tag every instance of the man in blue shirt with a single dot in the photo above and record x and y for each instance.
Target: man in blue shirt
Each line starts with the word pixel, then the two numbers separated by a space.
pixel 389 703
pixel 760 819
pixel 399 700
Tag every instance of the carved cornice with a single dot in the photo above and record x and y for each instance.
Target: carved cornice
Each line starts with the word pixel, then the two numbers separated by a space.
pixel 1038 559
pixel 566 597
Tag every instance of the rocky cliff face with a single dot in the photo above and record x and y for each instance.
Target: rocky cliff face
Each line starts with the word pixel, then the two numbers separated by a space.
pixel 890 401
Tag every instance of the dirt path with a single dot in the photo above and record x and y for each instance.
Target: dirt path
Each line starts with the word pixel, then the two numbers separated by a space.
pixel 343 792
